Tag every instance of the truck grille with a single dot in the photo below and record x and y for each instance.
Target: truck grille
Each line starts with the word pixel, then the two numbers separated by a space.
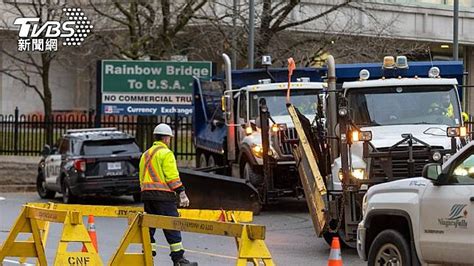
pixel 286 139
pixel 421 155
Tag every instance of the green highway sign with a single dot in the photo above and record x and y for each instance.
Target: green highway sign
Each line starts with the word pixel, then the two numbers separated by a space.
pixel 149 87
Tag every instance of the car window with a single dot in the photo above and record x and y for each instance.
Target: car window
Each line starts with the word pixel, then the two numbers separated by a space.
pixel 110 146
pixel 64 146
pixel 76 146
pixel 243 106
pixel 463 172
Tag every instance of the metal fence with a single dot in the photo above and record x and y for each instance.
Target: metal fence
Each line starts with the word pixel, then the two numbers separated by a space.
pixel 27 134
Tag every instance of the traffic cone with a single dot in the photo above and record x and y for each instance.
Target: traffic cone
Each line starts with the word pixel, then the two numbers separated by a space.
pixel 335 258
pixel 92 233
pixel 222 217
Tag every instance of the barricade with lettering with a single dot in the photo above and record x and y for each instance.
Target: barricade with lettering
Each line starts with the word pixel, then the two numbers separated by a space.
pixel 43 227
pixel 125 211
pixel 251 245
pixel 73 231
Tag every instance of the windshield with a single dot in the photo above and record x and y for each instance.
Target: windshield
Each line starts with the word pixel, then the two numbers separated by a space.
pixel 404 105
pixel 110 146
pixel 304 100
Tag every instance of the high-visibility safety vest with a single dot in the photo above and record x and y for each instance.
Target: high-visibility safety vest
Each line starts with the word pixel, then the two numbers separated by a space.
pixel 448 112
pixel 158 169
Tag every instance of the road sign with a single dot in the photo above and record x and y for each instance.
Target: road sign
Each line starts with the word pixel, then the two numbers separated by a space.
pixel 149 87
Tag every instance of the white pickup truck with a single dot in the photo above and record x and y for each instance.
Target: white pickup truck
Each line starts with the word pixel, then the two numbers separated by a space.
pixel 422 220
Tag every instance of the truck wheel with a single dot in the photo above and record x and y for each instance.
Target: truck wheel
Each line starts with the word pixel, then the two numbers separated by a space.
pixel 389 248
pixel 215 160
pixel 211 162
pixel 41 188
pixel 249 174
pixel 68 197
pixel 201 159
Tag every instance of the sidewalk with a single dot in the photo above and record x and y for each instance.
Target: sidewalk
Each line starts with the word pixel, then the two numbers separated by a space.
pixel 18 173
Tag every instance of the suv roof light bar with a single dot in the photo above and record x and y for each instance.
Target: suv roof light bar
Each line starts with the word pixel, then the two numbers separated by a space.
pixel 82 130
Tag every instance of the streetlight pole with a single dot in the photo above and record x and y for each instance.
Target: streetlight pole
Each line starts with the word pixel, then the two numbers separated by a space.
pixel 234 34
pixel 251 33
pixel 456 30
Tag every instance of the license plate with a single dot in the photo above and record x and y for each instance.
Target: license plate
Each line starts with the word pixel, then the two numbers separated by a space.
pixel 114 166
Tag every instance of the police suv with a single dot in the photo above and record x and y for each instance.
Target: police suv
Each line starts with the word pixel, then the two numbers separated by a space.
pixel 101 161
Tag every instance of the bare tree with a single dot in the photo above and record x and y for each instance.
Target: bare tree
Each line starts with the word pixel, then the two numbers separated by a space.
pixel 285 27
pixel 151 29
pixel 27 67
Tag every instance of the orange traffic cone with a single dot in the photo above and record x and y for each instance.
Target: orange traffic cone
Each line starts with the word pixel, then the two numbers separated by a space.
pixel 222 217
pixel 335 258
pixel 92 233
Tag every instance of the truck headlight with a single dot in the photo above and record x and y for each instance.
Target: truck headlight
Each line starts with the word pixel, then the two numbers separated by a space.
pixel 257 151
pixel 456 132
pixel 436 156
pixel 357 173
pixel 361 135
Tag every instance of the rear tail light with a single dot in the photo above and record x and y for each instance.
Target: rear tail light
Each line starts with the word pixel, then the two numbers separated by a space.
pixel 80 165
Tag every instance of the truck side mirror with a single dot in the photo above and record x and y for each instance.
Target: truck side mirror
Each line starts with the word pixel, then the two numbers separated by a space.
pixel 432 171
pixel 46 150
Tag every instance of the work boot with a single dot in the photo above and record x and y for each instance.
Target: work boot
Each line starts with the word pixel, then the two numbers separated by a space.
pixel 184 262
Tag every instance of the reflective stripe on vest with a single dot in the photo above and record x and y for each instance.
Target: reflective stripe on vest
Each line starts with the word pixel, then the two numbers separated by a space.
pixel 157 184
pixel 175 183
pixel 149 168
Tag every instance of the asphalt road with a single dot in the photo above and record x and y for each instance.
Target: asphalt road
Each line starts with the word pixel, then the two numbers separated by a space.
pixel 290 235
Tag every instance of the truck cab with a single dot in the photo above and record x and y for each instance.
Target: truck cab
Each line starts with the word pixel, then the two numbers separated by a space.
pixel 391 121
pixel 398 111
pixel 304 95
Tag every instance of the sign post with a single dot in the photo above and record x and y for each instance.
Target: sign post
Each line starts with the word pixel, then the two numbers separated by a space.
pixel 149 87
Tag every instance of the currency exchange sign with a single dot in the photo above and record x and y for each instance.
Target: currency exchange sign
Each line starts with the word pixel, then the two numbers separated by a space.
pixel 149 87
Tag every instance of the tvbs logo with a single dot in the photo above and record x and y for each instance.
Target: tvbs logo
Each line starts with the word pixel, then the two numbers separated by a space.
pixel 36 37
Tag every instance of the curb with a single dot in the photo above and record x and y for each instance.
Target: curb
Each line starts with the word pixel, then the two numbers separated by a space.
pixel 17 188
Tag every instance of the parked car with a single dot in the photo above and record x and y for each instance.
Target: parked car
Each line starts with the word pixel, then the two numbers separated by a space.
pixel 422 220
pixel 97 161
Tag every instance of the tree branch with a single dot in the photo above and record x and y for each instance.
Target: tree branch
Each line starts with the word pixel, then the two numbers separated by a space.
pixel 277 28
pixel 25 82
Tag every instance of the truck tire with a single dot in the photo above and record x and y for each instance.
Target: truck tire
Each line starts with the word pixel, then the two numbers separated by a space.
pixel 249 174
pixel 211 161
pixel 43 192
pixel 68 197
pixel 201 160
pixel 389 247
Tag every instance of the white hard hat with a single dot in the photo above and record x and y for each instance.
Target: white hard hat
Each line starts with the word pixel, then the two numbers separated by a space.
pixel 163 129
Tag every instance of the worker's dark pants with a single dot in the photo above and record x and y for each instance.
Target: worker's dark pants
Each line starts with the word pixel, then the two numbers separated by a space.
pixel 166 208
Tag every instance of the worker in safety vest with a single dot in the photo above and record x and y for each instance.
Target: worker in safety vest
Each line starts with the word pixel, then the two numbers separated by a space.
pixel 160 183
pixel 445 107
